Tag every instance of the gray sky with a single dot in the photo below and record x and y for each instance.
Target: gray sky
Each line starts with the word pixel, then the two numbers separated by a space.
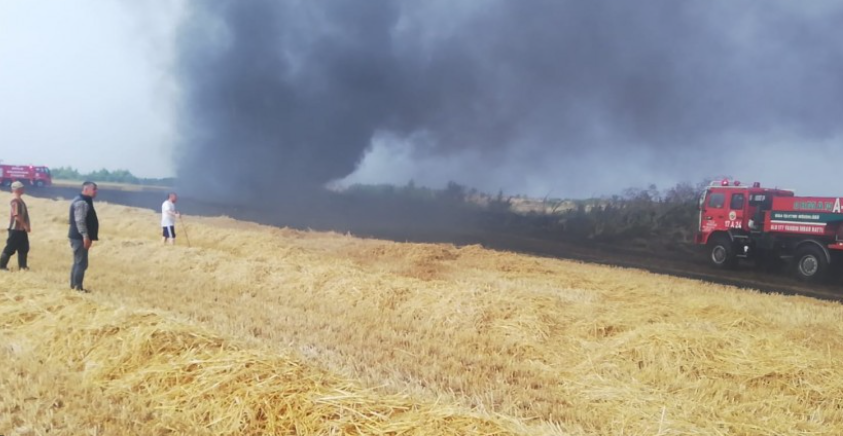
pixel 86 83
pixel 558 97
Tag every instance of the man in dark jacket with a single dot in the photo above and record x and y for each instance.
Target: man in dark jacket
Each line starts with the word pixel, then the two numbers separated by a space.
pixel 84 229
pixel 18 230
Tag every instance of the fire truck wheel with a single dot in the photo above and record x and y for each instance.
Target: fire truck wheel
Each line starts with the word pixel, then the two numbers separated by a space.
pixel 722 252
pixel 7 183
pixel 811 264
pixel 39 183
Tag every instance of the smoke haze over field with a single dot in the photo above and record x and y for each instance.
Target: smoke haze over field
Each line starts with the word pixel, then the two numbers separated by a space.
pixel 87 84
pixel 572 98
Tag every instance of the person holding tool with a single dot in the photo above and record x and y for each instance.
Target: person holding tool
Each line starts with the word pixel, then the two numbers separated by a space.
pixel 168 218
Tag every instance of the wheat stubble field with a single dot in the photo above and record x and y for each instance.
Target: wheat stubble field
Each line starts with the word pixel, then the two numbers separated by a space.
pixel 255 330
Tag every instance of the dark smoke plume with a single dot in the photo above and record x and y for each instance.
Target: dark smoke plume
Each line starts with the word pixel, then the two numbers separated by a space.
pixel 279 96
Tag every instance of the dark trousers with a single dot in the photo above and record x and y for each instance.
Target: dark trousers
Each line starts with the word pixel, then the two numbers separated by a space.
pixel 18 242
pixel 80 263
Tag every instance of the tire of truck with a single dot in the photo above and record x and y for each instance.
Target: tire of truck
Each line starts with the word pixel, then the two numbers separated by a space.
pixel 7 183
pixel 722 252
pixel 811 264
pixel 39 183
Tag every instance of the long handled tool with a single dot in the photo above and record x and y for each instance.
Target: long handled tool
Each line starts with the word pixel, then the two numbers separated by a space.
pixel 184 226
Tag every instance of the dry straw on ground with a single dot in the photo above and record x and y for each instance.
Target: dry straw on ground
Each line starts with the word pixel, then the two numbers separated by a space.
pixel 433 337
pixel 74 366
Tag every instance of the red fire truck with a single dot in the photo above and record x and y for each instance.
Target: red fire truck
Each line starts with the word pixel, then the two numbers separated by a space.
pixel 28 174
pixel 769 225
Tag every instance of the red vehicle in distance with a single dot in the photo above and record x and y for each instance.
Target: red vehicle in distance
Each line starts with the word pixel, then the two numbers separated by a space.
pixel 27 174
pixel 770 225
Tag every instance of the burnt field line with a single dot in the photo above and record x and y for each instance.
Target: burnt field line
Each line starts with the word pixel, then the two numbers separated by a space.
pixel 687 263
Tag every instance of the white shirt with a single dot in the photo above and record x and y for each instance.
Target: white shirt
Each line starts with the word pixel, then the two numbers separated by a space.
pixel 168 210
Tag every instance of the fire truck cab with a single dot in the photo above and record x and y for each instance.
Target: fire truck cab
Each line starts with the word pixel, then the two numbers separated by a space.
pixel 768 225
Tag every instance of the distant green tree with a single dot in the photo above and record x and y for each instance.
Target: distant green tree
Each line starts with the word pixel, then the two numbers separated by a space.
pixel 104 175
pixel 123 176
pixel 66 173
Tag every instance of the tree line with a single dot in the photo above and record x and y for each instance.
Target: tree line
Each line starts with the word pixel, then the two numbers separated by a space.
pixel 104 175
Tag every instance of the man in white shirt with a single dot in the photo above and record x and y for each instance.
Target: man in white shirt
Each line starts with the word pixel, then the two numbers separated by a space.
pixel 168 218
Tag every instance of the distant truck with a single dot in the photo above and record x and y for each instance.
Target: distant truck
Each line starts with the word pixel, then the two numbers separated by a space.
pixel 770 225
pixel 28 174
